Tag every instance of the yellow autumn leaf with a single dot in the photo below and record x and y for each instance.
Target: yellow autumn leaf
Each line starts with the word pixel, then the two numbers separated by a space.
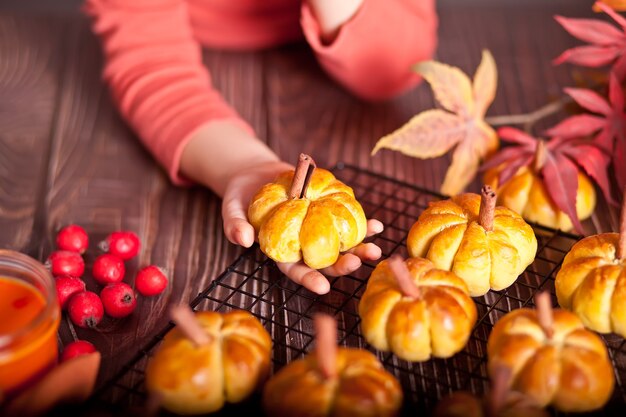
pixel 452 88
pixel 427 135
pixel 462 169
pixel 485 84
pixel 617 5
pixel 434 132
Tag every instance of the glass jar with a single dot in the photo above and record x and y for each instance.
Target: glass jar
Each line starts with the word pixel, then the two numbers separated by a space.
pixel 29 319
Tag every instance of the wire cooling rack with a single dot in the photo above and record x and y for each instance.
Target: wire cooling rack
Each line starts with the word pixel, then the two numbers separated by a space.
pixel 254 283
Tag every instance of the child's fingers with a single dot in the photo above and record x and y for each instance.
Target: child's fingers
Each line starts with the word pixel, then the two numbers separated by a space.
pixel 236 226
pixel 309 278
pixel 374 227
pixel 346 264
pixel 367 251
pixel 240 232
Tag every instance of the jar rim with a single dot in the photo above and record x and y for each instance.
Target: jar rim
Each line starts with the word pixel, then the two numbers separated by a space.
pixel 31 265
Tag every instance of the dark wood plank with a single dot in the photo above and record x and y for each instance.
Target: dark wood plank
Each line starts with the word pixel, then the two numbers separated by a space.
pixel 29 74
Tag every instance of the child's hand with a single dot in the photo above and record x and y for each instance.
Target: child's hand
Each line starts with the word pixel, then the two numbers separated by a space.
pixel 240 190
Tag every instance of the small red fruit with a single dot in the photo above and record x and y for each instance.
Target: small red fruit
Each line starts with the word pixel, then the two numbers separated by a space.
pixel 118 300
pixel 73 238
pixel 63 262
pixel 124 245
pixel 77 348
pixel 85 309
pixel 108 269
pixel 150 281
pixel 67 286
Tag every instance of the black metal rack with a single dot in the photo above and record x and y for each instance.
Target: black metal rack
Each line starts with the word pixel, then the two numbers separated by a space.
pixel 254 283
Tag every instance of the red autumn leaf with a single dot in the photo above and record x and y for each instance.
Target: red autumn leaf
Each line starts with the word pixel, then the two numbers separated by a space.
pixel 562 154
pixel 576 126
pixel 607 42
pixel 594 162
pixel 619 162
pixel 561 181
pixel 610 124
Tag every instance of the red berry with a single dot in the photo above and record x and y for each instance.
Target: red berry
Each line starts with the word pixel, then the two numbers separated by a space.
pixel 118 300
pixel 72 238
pixel 150 281
pixel 77 348
pixel 67 286
pixel 85 309
pixel 64 262
pixel 124 245
pixel 108 269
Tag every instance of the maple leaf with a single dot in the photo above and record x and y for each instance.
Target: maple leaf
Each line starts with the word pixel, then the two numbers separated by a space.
pixel 609 121
pixel 460 123
pixel 607 42
pixel 564 157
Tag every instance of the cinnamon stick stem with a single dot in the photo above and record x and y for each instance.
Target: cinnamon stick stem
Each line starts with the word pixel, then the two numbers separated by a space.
pixel 403 276
pixel 301 177
pixel 540 156
pixel 621 243
pixel 487 207
pixel 187 323
pixel 544 313
pixel 326 344
pixel 499 387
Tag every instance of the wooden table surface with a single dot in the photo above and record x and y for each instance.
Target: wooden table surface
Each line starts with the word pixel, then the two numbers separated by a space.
pixel 67 157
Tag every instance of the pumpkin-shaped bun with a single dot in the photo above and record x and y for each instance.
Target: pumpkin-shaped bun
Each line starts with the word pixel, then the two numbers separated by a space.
pixel 526 194
pixel 486 246
pixel 434 322
pixel 198 379
pixel 332 381
pixel 314 225
pixel 561 364
pixel 592 280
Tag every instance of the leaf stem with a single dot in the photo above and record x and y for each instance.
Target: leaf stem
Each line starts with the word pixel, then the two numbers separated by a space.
pixel 528 120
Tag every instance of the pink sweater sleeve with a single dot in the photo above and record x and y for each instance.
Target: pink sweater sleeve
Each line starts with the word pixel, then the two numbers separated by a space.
pixel 374 51
pixel 154 68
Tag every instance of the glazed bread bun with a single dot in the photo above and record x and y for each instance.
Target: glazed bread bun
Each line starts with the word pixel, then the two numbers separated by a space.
pixel 436 322
pixel 315 227
pixel 486 256
pixel 566 366
pixel 332 381
pixel 526 194
pixel 362 388
pixel 199 379
pixel 592 284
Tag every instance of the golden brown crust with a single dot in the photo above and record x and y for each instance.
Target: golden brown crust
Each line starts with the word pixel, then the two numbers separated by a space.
pixel 525 193
pixel 199 379
pixel 436 324
pixel 448 233
pixel 362 388
pixel 592 284
pixel 570 371
pixel 316 228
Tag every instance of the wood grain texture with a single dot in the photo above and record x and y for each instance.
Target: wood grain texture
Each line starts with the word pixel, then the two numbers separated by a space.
pixel 29 69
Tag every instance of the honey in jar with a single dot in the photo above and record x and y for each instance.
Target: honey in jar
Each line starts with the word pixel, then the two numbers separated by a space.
pixel 29 319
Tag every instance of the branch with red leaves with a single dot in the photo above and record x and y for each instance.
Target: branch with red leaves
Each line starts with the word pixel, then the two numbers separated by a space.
pixel 591 141
pixel 558 162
